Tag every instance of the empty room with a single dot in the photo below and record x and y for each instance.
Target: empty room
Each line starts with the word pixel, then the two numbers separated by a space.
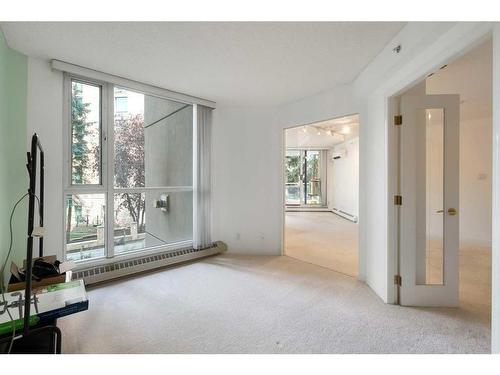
pixel 322 193
pixel 212 186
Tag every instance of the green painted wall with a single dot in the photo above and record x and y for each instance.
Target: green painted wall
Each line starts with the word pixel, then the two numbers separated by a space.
pixel 13 143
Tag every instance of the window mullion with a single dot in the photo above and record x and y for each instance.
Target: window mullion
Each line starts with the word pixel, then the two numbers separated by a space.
pixel 108 110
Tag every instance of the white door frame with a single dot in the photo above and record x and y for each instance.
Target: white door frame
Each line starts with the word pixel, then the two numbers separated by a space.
pixel 414 289
pixel 450 51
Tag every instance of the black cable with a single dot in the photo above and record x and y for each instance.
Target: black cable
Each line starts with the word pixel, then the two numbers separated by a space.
pixel 3 269
pixel 2 286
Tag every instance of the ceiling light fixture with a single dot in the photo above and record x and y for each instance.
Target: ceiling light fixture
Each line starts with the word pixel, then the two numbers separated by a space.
pixel 329 132
pixel 346 129
pixel 304 129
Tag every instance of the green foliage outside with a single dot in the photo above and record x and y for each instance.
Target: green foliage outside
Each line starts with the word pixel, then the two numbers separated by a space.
pixel 292 166
pixel 79 126
pixel 130 167
pixel 312 166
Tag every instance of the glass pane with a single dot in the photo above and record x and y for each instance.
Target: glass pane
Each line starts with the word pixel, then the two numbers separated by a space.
pixel 313 181
pixel 85 224
pixel 85 133
pixel 292 171
pixel 430 197
pixel 169 219
pixel 153 141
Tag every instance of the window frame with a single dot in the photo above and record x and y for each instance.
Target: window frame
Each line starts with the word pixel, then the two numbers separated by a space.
pixel 106 186
pixel 68 134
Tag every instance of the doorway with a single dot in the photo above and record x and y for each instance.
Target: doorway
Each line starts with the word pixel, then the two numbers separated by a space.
pixel 321 189
pixel 445 169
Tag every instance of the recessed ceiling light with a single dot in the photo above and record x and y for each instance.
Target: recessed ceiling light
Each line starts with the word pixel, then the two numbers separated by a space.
pixel 346 129
pixel 304 129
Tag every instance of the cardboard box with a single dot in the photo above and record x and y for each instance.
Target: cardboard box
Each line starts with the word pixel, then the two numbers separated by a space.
pixel 15 282
pixel 57 279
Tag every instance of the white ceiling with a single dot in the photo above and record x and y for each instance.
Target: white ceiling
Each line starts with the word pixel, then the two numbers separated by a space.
pixel 324 134
pixel 232 63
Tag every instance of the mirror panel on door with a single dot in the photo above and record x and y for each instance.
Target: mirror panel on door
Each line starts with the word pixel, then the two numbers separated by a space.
pixel 430 196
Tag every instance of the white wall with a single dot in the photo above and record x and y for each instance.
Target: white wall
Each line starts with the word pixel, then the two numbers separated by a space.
pixel 475 182
pixel 246 196
pixel 248 149
pixel 45 101
pixel 343 177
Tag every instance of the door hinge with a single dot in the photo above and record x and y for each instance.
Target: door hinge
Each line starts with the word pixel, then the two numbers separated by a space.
pixel 398 120
pixel 397 280
pixel 398 200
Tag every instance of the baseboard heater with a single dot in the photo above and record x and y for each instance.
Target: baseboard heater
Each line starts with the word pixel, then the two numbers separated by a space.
pixel 306 209
pixel 345 215
pixel 100 273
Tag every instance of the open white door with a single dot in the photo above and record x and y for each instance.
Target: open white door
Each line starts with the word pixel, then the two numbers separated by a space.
pixel 429 186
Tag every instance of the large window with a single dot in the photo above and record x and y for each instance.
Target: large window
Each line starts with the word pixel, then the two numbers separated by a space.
pixel 130 171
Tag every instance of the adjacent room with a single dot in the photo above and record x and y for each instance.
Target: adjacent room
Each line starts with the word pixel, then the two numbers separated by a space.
pixel 249 187
pixel 322 193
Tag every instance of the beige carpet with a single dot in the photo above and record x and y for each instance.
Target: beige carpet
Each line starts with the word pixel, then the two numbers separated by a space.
pixel 324 239
pixel 327 240
pixel 261 304
pixel 475 281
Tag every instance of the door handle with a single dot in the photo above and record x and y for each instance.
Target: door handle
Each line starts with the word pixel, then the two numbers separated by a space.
pixel 451 211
